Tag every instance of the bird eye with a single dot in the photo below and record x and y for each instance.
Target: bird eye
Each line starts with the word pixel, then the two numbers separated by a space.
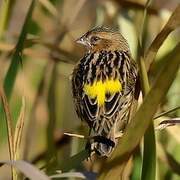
pixel 94 39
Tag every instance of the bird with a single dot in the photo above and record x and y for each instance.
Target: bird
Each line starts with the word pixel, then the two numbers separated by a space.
pixel 103 87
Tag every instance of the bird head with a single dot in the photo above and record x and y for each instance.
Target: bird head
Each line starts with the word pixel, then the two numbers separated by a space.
pixel 102 38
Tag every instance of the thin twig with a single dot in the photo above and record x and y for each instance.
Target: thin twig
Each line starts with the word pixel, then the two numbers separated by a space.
pixel 75 135
pixel 167 112
pixel 166 123
pixel 59 54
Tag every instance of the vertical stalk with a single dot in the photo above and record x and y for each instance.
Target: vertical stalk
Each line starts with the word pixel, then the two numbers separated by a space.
pixel 149 151
pixel 9 127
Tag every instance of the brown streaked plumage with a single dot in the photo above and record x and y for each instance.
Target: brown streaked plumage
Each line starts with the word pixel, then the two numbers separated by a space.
pixel 103 85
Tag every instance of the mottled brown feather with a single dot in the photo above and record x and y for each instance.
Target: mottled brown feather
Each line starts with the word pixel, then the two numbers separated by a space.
pixel 108 56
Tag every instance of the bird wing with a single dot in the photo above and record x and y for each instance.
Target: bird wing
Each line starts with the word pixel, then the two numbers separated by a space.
pixel 87 107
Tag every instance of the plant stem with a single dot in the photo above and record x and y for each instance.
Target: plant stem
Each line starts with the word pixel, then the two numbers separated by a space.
pixel 149 153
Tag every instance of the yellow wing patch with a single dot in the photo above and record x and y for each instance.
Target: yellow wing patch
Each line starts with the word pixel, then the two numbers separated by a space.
pixel 99 89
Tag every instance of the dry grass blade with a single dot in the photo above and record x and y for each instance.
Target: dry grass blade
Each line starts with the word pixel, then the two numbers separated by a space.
pixel 5 13
pixel 8 123
pixel 171 25
pixel 69 174
pixel 27 169
pixel 5 47
pixel 79 175
pixel 76 12
pixel 19 129
pixel 169 122
pixel 78 7
pixel 59 55
pixel 9 128
pixel 130 139
pixel 49 6
pixel 16 60
pixel 139 5
pixel 32 118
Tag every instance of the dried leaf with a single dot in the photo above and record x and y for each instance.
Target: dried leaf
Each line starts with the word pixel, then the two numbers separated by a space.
pixel 166 123
pixel 83 175
pixel 171 25
pixel 19 129
pixel 27 169
pixel 69 174
pixel 8 123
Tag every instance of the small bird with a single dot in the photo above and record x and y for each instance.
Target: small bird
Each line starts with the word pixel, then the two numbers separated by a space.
pixel 103 86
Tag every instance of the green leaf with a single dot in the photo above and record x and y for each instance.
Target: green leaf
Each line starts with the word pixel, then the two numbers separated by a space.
pixel 137 165
pixel 149 154
pixel 173 163
pixel 74 161
pixel 17 55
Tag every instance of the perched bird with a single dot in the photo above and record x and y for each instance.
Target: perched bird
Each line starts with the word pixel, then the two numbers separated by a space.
pixel 103 86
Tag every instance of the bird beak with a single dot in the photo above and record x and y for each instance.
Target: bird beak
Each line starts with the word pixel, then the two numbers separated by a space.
pixel 80 40
pixel 83 40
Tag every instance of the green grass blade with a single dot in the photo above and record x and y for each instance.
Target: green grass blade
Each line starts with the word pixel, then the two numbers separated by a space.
pixel 149 154
pixel 74 161
pixel 149 148
pixel 51 149
pixel 167 112
pixel 16 58
pixel 137 164
pixel 144 115
pixel 149 151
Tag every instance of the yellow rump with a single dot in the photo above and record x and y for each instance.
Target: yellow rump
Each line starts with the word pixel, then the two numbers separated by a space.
pixel 99 89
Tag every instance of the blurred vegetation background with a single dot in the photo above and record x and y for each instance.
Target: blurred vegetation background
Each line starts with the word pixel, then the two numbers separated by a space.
pixel 44 52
